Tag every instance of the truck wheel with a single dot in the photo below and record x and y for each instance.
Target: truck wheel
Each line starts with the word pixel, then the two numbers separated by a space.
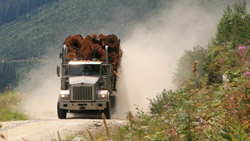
pixel 107 111
pixel 60 112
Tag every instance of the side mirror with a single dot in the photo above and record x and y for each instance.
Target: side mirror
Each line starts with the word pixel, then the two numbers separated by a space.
pixel 61 55
pixel 58 71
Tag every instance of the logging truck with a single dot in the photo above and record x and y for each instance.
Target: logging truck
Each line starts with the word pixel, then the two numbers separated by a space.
pixel 88 74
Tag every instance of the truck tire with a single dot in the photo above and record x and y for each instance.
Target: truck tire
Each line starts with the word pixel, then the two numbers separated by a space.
pixel 107 111
pixel 60 112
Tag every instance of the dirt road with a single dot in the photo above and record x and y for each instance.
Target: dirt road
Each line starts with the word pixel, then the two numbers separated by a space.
pixel 46 129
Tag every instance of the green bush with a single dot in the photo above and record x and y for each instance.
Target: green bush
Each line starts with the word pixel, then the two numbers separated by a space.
pixel 184 72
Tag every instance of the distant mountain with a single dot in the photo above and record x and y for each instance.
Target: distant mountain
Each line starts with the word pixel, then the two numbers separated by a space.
pixel 12 9
pixel 32 34
pixel 26 39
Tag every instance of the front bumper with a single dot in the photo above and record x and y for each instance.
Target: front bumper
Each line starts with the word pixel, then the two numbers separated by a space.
pixel 82 106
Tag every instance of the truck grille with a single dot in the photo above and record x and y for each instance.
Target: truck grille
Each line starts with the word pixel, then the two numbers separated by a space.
pixel 82 93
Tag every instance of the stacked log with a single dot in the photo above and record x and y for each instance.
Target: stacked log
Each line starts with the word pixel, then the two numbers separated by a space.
pixel 93 47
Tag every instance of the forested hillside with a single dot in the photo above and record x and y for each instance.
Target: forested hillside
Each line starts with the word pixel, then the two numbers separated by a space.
pixel 30 35
pixel 42 25
pixel 43 30
pixel 12 9
pixel 232 31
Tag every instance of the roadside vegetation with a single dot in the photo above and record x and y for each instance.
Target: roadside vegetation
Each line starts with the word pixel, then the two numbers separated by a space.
pixel 213 98
pixel 9 107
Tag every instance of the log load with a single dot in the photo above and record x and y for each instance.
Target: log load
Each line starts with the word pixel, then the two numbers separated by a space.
pixel 93 47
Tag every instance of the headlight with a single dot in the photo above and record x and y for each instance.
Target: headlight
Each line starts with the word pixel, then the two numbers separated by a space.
pixel 64 93
pixel 102 94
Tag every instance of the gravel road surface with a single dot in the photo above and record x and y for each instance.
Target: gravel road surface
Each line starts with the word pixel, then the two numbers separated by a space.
pixel 46 129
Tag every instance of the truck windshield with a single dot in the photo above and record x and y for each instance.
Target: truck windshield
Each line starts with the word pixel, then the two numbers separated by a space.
pixel 88 70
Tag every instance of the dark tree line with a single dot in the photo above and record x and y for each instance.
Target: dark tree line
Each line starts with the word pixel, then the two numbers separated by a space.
pixel 8 76
pixel 12 9
pixel 11 72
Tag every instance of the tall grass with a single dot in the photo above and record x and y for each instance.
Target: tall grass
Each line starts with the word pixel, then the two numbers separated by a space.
pixel 10 107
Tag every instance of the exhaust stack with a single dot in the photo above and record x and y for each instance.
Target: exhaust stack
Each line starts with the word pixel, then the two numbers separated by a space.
pixel 64 53
pixel 107 54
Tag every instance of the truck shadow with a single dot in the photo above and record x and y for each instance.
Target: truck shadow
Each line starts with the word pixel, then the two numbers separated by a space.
pixel 83 116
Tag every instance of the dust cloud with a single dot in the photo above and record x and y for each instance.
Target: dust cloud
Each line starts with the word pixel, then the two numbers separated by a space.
pixel 150 55
pixel 151 52
pixel 41 89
